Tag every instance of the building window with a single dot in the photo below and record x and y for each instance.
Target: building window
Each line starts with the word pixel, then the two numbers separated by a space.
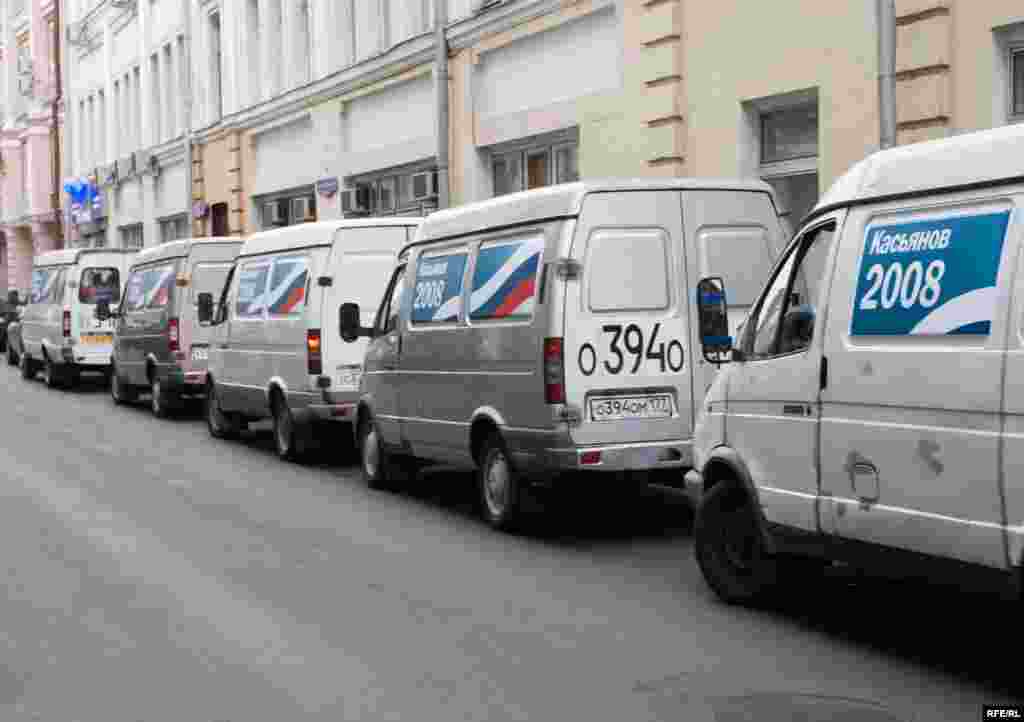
pixel 286 209
pixel 1017 83
pixel 534 167
pixel 786 148
pixel 131 236
pixel 789 134
pixel 391 193
pixel 174 228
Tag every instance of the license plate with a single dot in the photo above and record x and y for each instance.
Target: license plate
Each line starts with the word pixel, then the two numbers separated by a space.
pixel 349 378
pixel 97 338
pixel 200 354
pixel 617 408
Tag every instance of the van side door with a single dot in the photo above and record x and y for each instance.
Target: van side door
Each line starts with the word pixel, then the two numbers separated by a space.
pixel 915 346
pixel 381 374
pixel 773 394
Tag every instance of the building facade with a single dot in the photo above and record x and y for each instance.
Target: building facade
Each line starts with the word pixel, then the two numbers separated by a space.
pixel 224 117
pixel 31 220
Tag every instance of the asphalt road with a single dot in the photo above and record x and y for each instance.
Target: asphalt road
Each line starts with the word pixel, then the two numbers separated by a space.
pixel 153 573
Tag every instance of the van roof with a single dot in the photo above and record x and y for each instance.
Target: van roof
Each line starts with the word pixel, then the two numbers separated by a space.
pixel 319 233
pixel 178 249
pixel 71 256
pixel 559 201
pixel 982 158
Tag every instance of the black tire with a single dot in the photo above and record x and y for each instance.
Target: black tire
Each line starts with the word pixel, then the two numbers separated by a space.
pixel 729 548
pixel 28 368
pixel 502 491
pixel 163 403
pixel 12 358
pixel 292 440
pixel 380 470
pixel 53 376
pixel 120 392
pixel 221 424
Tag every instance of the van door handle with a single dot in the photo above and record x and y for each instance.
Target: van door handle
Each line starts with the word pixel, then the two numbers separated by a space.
pixel 224 345
pixel 796 409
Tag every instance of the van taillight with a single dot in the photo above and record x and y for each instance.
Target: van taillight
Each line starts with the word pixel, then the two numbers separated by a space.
pixel 313 352
pixel 67 324
pixel 173 339
pixel 554 371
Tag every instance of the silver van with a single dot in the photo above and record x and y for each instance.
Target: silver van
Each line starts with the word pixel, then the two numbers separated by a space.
pixel 159 345
pixel 60 334
pixel 871 412
pixel 550 330
pixel 273 352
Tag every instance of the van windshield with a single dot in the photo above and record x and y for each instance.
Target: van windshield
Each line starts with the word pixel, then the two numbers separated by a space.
pixel 100 284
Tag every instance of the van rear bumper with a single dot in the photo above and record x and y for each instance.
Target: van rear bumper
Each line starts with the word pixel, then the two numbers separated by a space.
pixel 677 454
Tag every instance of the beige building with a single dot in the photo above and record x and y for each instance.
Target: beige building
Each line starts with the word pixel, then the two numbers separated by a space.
pixel 788 90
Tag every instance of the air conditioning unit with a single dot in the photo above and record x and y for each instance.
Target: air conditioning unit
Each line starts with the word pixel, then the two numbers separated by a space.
pixel 424 185
pixel 141 160
pixel 108 174
pixel 273 215
pixel 356 200
pixel 24 62
pixel 302 210
pixel 25 84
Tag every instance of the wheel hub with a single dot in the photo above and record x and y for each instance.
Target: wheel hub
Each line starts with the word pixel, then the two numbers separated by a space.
pixel 371 454
pixel 496 485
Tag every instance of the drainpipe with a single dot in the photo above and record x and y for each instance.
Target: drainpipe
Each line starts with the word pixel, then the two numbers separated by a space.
pixel 55 131
pixel 441 74
pixel 187 62
pixel 887 72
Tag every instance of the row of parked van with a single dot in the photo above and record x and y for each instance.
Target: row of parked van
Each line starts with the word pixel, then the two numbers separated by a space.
pixel 868 411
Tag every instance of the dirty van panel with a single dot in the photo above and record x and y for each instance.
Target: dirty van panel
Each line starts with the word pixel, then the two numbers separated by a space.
pixel 736 235
pixel 626 352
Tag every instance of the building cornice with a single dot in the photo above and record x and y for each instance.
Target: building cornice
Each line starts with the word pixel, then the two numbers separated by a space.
pixel 467 32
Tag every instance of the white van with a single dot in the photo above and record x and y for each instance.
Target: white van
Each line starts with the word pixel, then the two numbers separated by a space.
pixel 60 333
pixel 872 411
pixel 550 331
pixel 275 349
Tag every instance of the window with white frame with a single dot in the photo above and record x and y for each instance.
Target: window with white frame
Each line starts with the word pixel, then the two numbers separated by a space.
pixel 131 236
pixel 1016 92
pixel 784 130
pixel 534 166
pixel 286 209
pixel 396 192
pixel 174 228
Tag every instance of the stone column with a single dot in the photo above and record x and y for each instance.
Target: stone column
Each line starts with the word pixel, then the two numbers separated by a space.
pixel 14 164
pixel 269 41
pixel 289 32
pixel 19 259
pixel 39 44
pixel 114 143
pixel 144 96
pixel 38 165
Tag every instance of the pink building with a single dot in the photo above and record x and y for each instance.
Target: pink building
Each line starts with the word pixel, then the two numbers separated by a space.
pixel 30 215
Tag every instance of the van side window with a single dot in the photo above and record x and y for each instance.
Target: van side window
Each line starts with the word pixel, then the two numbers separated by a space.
pixel 222 303
pixel 43 280
pixel 438 291
pixel 628 269
pixel 505 279
pixel 387 317
pixel 287 292
pixel 742 256
pixel 100 284
pixel 148 288
pixel 252 289
pixel 785 319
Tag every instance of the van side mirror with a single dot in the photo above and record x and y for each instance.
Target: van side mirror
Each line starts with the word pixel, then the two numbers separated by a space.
pixel 348 323
pixel 204 308
pixel 713 318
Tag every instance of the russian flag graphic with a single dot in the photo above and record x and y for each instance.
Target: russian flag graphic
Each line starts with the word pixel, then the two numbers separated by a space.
pixel 290 292
pixel 505 279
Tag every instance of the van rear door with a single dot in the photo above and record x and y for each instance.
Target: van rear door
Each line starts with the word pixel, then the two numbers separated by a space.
pixel 360 265
pixel 626 355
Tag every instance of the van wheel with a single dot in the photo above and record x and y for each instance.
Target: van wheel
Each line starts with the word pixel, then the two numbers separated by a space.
pixel 12 358
pixel 120 392
pixel 380 471
pixel 292 440
pixel 52 376
pixel 221 424
pixel 28 369
pixel 162 401
pixel 501 489
pixel 729 548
